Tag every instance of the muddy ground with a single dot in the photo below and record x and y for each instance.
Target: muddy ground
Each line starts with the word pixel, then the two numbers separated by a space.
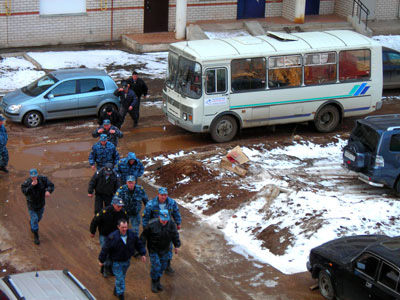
pixel 206 268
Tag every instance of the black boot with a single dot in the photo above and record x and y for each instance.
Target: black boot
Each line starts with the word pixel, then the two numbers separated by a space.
pixel 169 269
pixel 4 169
pixel 121 297
pixel 159 286
pixel 115 291
pixel 102 269
pixel 36 235
pixel 154 286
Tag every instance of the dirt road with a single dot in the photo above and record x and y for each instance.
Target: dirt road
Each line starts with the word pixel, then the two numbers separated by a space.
pixel 206 268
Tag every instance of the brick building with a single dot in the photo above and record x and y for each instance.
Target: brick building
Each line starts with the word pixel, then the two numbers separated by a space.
pixel 52 22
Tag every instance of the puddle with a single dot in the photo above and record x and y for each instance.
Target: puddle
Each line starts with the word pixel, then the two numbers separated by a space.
pixel 76 173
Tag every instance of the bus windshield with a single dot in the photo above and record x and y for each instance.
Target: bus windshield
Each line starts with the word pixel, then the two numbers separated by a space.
pixel 184 76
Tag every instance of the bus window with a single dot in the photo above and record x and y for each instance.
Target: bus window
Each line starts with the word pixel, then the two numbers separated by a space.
pixel 189 78
pixel 248 74
pixel 284 71
pixel 354 65
pixel 320 68
pixel 216 81
pixel 172 70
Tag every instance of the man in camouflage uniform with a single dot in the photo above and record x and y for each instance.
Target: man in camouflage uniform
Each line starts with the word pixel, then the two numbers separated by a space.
pixel 130 165
pixel 112 132
pixel 103 152
pixel 133 195
pixel 3 148
pixel 152 210
pixel 107 220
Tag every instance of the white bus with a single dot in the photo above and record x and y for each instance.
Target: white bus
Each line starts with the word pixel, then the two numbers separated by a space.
pixel 223 85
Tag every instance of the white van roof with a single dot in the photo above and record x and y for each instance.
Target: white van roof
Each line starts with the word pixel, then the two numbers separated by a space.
pixel 272 43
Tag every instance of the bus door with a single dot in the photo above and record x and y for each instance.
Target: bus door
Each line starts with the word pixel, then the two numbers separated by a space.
pixel 216 97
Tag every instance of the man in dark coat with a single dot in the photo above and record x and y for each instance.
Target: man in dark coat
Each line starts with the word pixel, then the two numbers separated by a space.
pixel 112 132
pixel 110 114
pixel 140 88
pixel 120 246
pixel 105 182
pixel 128 101
pixel 36 189
pixel 107 220
pixel 159 234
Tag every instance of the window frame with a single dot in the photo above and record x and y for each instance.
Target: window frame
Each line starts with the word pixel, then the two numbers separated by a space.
pixel 285 66
pixel 262 80
pixel 216 81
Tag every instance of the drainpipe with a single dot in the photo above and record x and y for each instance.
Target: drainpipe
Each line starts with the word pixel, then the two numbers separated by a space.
pixel 299 11
pixel 112 19
pixel 180 23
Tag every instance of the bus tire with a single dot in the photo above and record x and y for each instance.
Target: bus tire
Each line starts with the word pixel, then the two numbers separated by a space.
pixel 224 129
pixel 327 119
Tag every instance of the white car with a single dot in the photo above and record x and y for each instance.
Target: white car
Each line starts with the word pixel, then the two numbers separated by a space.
pixel 43 285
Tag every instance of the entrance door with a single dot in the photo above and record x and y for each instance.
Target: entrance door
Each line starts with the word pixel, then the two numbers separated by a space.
pixel 247 9
pixel 312 7
pixel 155 16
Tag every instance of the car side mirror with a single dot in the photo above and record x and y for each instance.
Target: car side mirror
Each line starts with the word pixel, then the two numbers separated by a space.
pixel 50 96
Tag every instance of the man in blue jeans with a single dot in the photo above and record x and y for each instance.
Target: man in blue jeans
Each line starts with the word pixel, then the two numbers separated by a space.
pixel 120 246
pixel 36 188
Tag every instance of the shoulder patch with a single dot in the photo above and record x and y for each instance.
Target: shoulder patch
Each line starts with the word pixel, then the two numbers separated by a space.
pixel 98 214
pixel 104 211
pixel 117 193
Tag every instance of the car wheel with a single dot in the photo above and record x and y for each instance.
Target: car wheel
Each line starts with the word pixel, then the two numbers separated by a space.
pixel 33 119
pixel 103 108
pixel 325 285
pixel 224 129
pixel 397 187
pixel 327 119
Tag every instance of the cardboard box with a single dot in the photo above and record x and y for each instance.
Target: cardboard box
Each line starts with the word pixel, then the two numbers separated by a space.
pixel 234 160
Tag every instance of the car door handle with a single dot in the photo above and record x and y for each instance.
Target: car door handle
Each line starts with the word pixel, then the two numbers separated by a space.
pixel 368 285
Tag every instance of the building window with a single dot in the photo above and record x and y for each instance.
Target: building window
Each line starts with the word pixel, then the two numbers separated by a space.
pixel 62 7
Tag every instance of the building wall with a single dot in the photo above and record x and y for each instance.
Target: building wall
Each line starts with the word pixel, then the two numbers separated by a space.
pixel 273 8
pixel 326 7
pixel 343 7
pixel 386 9
pixel 288 9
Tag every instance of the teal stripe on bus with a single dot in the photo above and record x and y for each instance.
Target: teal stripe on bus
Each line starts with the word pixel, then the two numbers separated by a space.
pixel 289 101
pixel 355 88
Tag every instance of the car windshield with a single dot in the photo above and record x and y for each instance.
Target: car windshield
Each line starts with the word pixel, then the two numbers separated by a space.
pixel 367 136
pixel 40 85
pixel 184 76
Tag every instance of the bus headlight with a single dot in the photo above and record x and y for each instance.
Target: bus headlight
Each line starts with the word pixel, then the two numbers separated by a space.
pixel 185 118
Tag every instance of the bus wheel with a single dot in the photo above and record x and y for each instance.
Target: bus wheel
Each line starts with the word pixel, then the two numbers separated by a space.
pixel 327 119
pixel 224 129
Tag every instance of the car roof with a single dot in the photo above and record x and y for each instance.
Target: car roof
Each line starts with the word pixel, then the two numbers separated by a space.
pixel 77 72
pixel 382 122
pixel 388 249
pixel 47 285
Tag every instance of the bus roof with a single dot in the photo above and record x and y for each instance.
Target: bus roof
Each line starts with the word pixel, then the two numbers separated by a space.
pixel 272 43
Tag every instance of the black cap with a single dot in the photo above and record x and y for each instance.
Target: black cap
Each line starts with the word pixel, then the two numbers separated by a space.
pixel 124 83
pixel 134 73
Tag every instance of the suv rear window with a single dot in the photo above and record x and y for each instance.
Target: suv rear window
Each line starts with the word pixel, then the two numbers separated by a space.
pixel 367 136
pixel 395 143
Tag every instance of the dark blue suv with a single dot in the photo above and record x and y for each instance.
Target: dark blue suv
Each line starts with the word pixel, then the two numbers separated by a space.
pixel 373 151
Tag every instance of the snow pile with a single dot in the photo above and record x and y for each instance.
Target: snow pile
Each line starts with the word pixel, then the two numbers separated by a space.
pixel 326 202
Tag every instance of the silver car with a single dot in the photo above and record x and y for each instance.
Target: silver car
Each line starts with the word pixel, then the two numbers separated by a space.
pixel 43 285
pixel 60 94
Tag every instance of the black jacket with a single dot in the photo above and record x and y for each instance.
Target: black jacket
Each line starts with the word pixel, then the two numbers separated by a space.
pixel 115 118
pixel 104 186
pixel 159 237
pixel 126 100
pixel 118 250
pixel 106 220
pixel 138 86
pixel 35 194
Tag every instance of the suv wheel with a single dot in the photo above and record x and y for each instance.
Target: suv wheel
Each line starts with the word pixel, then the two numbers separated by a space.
pixel 327 119
pixel 325 285
pixel 33 119
pixel 397 187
